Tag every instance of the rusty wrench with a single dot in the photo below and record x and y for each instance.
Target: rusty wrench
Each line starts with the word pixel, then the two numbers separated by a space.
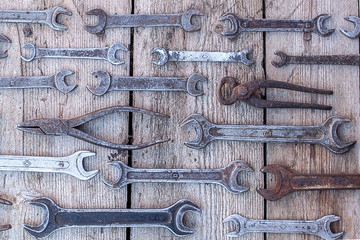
pixel 325 134
pixel 4 39
pixel 354 33
pixel 57 217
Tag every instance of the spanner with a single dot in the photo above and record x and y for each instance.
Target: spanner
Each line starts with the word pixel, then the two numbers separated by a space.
pixel 136 20
pixel 319 227
pixel 57 217
pixel 316 59
pixel 325 134
pixel 109 83
pixel 354 33
pixel 4 39
pixel 48 17
pixel 56 81
pixel 187 56
pixel 227 177
pixel 108 54
pixel 275 25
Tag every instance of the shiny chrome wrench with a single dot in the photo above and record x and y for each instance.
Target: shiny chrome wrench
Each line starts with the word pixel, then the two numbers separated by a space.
pixel 4 39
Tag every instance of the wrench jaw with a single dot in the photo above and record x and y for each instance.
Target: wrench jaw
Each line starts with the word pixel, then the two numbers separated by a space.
pixel 283 59
pixel 121 180
pixel 245 57
pixel 234 25
pixel 77 163
pixel 192 82
pixel 356 32
pixel 105 83
pixel 98 29
pixel 164 56
pixel 325 229
pixel 31 47
pixel 53 15
pixel 111 55
pixel 240 225
pixel 319 26
pixel 4 39
pixel 60 83
pixel 232 172
pixel 186 20
pixel 202 127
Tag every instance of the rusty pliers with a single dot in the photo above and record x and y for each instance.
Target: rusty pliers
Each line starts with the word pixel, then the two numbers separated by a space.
pixel 245 92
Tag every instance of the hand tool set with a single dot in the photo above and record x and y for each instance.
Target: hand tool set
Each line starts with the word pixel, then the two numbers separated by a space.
pixel 171 218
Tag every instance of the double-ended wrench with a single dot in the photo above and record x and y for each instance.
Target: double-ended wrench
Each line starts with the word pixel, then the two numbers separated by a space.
pixel 4 39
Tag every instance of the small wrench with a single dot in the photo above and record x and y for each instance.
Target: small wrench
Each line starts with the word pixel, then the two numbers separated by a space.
pixel 109 83
pixel 108 54
pixel 356 32
pixel 227 177
pixel 56 81
pixel 136 20
pixel 57 217
pixel 325 134
pixel 319 227
pixel 48 17
pixel 187 56
pixel 4 39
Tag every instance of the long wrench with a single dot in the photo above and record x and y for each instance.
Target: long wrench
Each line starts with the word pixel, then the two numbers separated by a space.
pixel 319 227
pixel 48 17
pixel 325 134
pixel 187 56
pixel 57 217
pixel 4 39
pixel 109 83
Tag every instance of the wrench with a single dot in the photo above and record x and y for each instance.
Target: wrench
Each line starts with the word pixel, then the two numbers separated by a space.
pixel 56 81
pixel 108 54
pixel 239 25
pixel 154 20
pixel 325 134
pixel 48 17
pixel 317 59
pixel 57 217
pixel 4 39
pixel 227 177
pixel 319 227
pixel 186 56
pixel 109 83
pixel 356 32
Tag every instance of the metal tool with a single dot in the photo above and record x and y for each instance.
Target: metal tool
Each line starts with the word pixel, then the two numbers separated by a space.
pixel 48 17
pixel 4 39
pixel 109 83
pixel 108 54
pixel 187 56
pixel 319 227
pixel 5 226
pixel 239 25
pixel 70 127
pixel 56 81
pixel 325 134
pixel 246 92
pixel 354 33
pixel 227 177
pixel 57 217
pixel 106 21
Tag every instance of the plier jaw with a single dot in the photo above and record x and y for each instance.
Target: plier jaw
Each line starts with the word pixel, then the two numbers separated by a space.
pixel 44 127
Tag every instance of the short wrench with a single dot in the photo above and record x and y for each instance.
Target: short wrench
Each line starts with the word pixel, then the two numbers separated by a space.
pixel 319 227
pixel 57 217
pixel 4 39
pixel 187 56
pixel 108 54
pixel 48 17
pixel 109 83
pixel 354 33
pixel 136 20
pixel 227 177
pixel 325 134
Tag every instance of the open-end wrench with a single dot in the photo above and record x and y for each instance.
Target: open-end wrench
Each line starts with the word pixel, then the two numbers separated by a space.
pixel 227 177
pixel 48 17
pixel 56 81
pixel 4 39
pixel 239 25
pixel 319 227
pixel 149 20
pixel 187 56
pixel 108 54
pixel 354 33
pixel 109 83
pixel 325 134
pixel 57 217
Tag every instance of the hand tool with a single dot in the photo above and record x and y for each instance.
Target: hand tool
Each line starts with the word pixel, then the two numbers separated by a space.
pixel 5 226
pixel 72 164
pixel 287 182
pixel 239 25
pixel 106 21
pixel 227 177
pixel 245 92
pixel 316 59
pixel 108 54
pixel 4 39
pixel 71 127
pixel 325 134
pixel 109 83
pixel 319 227
pixel 57 217
pixel 354 33
pixel 56 81
pixel 187 56
pixel 48 17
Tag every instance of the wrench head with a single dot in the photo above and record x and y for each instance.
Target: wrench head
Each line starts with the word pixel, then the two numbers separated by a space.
pixel 354 33
pixel 192 82
pixel 60 83
pixel 99 28
pixel 186 20
pixel 283 59
pixel 4 39
pixel 121 180
pixel 231 172
pixel 164 56
pixel 202 127
pixel 324 227
pixel 239 222
pixel 55 13
pixel 319 26
pixel 30 47
pixel 245 57
pixel 112 53
pixel 105 82
pixel 233 19
pixel 78 169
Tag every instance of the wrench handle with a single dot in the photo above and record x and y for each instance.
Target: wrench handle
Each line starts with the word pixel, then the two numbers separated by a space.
pixel 325 59
pixel 28 82
pixel 148 84
pixel 137 20
pixel 95 53
pixel 188 56
pixel 272 25
pixel 325 182
pixel 281 226
pixel 10 16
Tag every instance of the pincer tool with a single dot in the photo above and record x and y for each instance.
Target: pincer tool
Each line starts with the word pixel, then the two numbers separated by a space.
pixel 354 33
pixel 4 39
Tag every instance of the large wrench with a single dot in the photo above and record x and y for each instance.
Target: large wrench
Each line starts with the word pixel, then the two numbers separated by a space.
pixel 354 33
pixel 48 17
pixel 319 227
pixel 4 39
pixel 57 217
pixel 136 20
pixel 325 134
pixel 109 83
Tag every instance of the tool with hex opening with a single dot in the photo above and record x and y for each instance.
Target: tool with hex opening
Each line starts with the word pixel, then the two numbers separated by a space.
pixel 4 39
pixel 354 33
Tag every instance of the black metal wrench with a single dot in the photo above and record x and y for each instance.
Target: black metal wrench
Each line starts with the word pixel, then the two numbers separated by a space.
pixel 57 217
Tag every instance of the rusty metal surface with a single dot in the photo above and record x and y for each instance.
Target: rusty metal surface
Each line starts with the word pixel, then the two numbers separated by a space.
pixel 354 33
